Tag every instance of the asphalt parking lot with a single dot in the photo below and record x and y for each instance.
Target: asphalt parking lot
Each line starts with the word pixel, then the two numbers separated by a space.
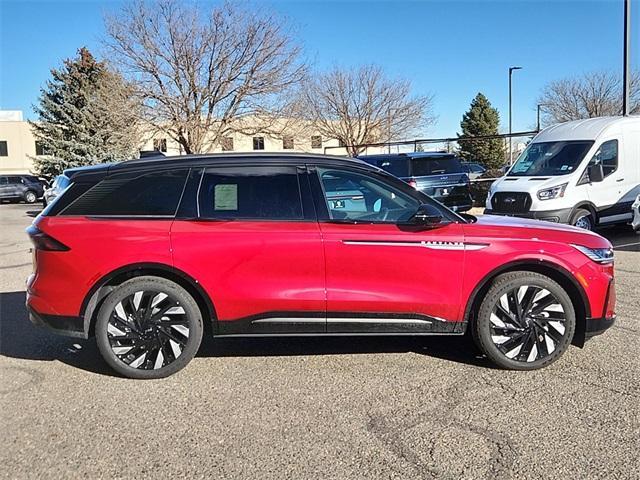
pixel 316 408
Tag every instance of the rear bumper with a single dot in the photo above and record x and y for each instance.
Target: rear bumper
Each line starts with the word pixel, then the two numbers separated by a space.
pixel 67 326
pixel 562 215
pixel 597 326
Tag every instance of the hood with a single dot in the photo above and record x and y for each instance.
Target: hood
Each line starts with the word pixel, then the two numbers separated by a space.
pixel 529 184
pixel 524 228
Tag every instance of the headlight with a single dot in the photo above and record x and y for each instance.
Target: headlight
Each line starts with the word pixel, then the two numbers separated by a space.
pixel 598 255
pixel 553 192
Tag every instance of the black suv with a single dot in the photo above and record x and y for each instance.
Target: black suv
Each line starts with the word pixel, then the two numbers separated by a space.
pixel 21 187
pixel 440 175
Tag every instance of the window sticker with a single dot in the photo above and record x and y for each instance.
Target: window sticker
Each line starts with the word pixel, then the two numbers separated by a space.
pixel 225 197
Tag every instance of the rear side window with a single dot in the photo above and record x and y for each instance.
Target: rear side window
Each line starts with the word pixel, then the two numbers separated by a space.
pixel 607 155
pixel 259 193
pixel 132 194
pixel 436 166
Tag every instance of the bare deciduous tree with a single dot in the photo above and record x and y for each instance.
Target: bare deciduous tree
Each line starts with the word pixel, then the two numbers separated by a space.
pixel 362 106
pixel 201 74
pixel 593 94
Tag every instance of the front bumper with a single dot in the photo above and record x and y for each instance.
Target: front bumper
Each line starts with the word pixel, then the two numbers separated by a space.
pixel 67 326
pixel 562 215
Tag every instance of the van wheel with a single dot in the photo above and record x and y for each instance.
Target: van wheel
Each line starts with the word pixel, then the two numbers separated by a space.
pixel 526 321
pixel 148 327
pixel 582 218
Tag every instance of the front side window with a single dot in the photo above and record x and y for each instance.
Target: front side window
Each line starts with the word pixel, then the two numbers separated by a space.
pixel 354 197
pixel 137 194
pixel 550 158
pixel 251 193
pixel 258 143
pixel 607 155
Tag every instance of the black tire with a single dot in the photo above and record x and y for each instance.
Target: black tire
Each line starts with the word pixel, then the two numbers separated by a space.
pixel 530 336
pixel 582 218
pixel 148 340
pixel 30 196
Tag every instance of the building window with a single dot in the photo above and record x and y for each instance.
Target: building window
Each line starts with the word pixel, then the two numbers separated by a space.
pixel 287 143
pixel 258 143
pixel 4 150
pixel 316 141
pixel 41 149
pixel 160 144
pixel 341 143
pixel 227 144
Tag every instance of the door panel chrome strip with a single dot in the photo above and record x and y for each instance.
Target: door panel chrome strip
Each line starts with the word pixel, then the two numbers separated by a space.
pixel 434 245
pixel 290 320
pixel 379 320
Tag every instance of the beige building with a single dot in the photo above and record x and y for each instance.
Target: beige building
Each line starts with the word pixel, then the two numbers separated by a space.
pixel 18 146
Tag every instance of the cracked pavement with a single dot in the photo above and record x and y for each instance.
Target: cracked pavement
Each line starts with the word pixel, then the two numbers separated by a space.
pixel 338 408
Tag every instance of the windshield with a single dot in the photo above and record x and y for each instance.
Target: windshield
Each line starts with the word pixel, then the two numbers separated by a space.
pixel 436 166
pixel 550 158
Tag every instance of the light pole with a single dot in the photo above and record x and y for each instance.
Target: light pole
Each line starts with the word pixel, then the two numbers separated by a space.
pixel 511 69
pixel 626 68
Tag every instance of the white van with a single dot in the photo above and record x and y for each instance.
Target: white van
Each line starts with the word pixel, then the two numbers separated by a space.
pixel 584 173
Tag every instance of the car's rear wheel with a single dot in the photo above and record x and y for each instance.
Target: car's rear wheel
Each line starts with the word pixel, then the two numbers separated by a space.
pixel 30 197
pixel 148 327
pixel 525 322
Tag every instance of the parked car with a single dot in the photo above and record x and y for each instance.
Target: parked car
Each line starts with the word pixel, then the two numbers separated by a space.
pixel 59 184
pixel 21 187
pixel 584 173
pixel 438 174
pixel 147 255
pixel 474 170
pixel 635 209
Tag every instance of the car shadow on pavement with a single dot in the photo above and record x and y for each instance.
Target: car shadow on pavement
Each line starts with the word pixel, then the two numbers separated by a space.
pixel 20 339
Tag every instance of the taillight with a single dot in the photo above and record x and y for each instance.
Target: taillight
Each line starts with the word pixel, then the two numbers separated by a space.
pixel 42 241
pixel 610 309
pixel 413 183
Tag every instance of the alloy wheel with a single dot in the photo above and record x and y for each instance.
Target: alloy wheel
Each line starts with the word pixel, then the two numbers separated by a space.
pixel 527 323
pixel 30 197
pixel 148 330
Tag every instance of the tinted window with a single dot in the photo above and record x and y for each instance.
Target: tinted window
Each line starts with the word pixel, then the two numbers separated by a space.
pixel 435 166
pixel 270 193
pixel 15 180
pixel 395 166
pixel 149 194
pixel 352 196
pixel 607 155
pixel 3 180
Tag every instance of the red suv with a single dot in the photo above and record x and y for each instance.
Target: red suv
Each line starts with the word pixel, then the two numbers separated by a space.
pixel 148 254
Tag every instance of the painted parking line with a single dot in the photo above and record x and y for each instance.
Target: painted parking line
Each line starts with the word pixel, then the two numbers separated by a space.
pixel 626 245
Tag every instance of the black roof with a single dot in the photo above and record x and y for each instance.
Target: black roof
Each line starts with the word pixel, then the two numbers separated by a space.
pixel 236 158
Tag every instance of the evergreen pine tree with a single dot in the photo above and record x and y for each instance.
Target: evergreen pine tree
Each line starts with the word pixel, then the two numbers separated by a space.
pixel 481 119
pixel 86 115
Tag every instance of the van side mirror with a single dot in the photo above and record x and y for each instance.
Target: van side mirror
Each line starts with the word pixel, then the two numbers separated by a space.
pixel 427 215
pixel 595 173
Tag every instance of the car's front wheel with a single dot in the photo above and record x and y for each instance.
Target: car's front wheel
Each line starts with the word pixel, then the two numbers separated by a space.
pixel 525 322
pixel 148 327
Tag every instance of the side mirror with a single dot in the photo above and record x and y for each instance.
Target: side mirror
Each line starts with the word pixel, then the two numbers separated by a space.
pixel 427 215
pixel 595 173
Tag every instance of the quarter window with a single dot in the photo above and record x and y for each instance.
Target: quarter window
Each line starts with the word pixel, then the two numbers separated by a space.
pixel 148 194
pixel 355 197
pixel 607 155
pixel 258 193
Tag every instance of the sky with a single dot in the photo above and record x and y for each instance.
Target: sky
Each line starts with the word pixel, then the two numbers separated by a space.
pixel 449 49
